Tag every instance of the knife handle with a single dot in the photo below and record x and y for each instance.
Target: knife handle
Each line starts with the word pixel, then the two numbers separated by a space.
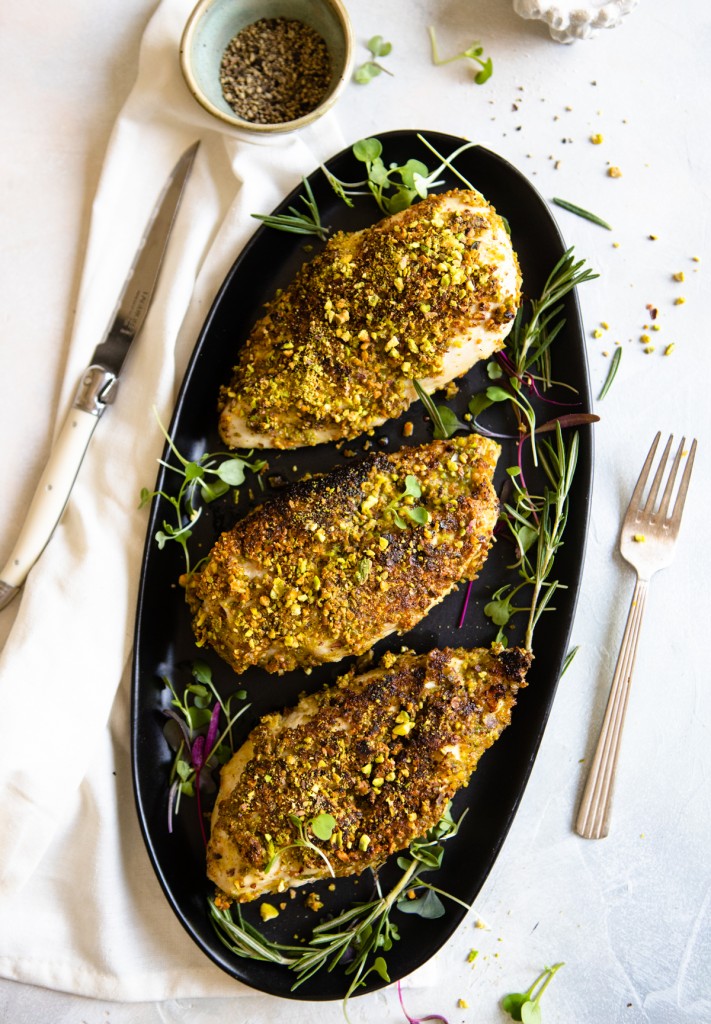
pixel 55 485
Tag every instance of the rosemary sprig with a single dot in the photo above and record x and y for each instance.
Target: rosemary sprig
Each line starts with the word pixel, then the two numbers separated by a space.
pixel 611 373
pixel 529 341
pixel 537 524
pixel 580 212
pixel 364 931
pixel 296 221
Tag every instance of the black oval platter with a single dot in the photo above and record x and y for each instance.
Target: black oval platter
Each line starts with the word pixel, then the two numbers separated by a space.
pixel 164 641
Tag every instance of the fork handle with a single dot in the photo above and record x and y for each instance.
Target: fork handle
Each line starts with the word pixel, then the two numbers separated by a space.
pixel 593 819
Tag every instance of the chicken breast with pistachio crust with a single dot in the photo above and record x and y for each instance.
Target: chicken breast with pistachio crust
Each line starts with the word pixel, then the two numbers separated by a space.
pixel 333 564
pixel 422 295
pixel 382 753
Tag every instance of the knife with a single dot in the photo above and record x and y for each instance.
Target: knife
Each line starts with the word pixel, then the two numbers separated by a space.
pixel 98 386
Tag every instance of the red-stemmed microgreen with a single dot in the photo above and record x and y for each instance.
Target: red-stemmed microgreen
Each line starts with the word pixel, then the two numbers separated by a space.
pixel 525 1006
pixel 193 733
pixel 418 1020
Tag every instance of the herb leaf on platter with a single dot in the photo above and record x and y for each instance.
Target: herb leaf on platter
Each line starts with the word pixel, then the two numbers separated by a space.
pixel 359 936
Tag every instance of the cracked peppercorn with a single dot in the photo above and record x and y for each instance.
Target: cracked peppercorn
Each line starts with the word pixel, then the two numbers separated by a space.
pixel 275 70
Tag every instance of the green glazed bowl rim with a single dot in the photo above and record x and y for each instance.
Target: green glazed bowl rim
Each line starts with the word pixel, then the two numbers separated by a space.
pixel 190 37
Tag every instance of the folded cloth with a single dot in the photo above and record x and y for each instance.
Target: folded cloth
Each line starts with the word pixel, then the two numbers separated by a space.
pixel 67 821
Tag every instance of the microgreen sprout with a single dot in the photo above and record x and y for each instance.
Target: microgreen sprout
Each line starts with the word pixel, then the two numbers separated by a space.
pixel 406 182
pixel 444 421
pixel 206 479
pixel 525 1006
pixel 193 732
pixel 474 52
pixel 322 827
pixel 417 514
pixel 361 935
pixel 372 68
pixel 296 221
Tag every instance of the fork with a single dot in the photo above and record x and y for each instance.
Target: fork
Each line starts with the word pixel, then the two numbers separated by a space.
pixel 647 542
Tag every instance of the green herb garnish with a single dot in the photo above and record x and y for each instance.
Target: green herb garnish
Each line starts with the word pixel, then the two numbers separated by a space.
pixel 611 373
pixel 296 221
pixel 444 421
pixel 525 1006
pixel 371 68
pixel 473 52
pixel 204 478
pixel 417 514
pixel 364 932
pixel 568 660
pixel 580 212
pixel 536 523
pixel 322 827
pixel 193 734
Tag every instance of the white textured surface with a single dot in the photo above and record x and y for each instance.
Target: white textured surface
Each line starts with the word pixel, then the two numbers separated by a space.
pixel 569 20
pixel 630 915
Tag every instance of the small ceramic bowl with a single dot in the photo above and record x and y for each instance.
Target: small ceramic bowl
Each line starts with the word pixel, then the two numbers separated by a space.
pixel 214 23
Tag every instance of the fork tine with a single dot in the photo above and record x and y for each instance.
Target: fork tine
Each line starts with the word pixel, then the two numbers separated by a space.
pixel 636 499
pixel 666 497
pixel 658 476
pixel 683 486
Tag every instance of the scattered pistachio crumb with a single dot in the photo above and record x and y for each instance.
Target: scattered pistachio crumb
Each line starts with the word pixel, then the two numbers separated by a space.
pixel 462 1004
pixel 597 333
pixel 679 276
pixel 669 349
pixel 596 139
pixel 604 324
pixel 656 327
pixel 614 172
pixel 649 349
pixel 679 301
pixel 615 245
pixel 313 902
pixel 472 955
pixel 267 912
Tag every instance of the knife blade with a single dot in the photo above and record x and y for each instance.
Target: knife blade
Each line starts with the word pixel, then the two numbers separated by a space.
pixel 98 386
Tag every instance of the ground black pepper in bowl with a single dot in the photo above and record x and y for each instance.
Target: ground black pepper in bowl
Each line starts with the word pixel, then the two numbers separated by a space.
pixel 275 70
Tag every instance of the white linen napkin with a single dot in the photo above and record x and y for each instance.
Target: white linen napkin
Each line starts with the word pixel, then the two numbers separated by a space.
pixel 80 909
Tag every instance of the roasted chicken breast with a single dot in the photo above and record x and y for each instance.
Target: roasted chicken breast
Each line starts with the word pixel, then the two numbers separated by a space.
pixel 332 564
pixel 422 295
pixel 382 753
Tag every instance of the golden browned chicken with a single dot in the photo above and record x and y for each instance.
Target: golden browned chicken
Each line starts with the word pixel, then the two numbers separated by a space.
pixel 422 295
pixel 382 753
pixel 332 564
